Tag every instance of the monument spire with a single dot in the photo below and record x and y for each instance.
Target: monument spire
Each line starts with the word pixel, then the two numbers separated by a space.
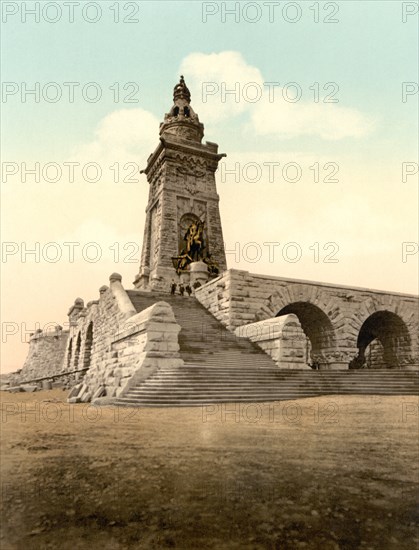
pixel 182 121
pixel 183 227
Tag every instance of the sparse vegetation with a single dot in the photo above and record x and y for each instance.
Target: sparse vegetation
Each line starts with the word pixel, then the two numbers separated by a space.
pixel 322 473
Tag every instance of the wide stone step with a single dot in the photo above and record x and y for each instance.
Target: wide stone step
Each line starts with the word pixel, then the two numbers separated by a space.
pixel 221 356
pixel 221 368
pixel 254 387
pixel 222 376
pixel 266 377
pixel 213 372
pixel 230 366
pixel 262 375
pixel 251 383
pixel 265 384
pixel 260 391
pixel 201 401
pixel 306 373
pixel 232 394
pixel 294 379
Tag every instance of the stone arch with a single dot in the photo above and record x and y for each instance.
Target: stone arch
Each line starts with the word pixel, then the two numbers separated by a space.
pixel 317 312
pixel 316 326
pixel 88 344
pixel 77 352
pixel 384 311
pixel 390 334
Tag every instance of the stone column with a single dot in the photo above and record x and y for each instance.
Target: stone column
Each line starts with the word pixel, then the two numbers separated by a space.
pixel 199 273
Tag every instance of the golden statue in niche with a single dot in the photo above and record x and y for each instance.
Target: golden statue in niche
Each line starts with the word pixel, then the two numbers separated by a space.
pixel 194 238
pixel 194 249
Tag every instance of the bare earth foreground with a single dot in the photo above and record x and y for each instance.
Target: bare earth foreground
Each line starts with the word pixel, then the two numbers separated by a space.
pixel 324 473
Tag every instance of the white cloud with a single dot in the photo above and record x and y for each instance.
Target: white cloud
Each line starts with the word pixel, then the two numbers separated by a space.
pixel 124 135
pixel 207 74
pixel 328 121
pixel 211 76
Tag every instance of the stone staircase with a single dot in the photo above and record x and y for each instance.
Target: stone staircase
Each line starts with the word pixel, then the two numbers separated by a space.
pixel 221 368
pixel 203 340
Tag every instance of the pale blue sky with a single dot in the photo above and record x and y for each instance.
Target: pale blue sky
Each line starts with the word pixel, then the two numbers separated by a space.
pixel 369 133
pixel 368 53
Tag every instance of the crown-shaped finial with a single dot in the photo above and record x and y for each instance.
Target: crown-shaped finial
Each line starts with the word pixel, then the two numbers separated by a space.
pixel 181 91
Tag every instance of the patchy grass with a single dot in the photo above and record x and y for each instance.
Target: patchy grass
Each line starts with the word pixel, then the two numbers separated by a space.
pixel 322 473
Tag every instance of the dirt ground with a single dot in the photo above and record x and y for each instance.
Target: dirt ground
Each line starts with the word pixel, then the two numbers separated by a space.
pixel 323 473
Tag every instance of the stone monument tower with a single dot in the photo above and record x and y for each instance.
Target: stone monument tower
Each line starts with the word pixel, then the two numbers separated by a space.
pixel 183 225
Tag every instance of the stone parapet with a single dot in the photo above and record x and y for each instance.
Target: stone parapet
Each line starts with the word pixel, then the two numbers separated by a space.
pixel 340 322
pixel 124 303
pixel 145 343
pixel 282 338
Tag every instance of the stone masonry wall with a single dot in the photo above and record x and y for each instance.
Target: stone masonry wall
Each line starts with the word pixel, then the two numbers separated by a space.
pixel 93 328
pixel 335 314
pixel 118 345
pixel 45 355
pixel 148 342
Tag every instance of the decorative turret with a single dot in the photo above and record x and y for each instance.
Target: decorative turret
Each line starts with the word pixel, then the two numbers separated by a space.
pixel 74 311
pixel 182 121
pixel 181 91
